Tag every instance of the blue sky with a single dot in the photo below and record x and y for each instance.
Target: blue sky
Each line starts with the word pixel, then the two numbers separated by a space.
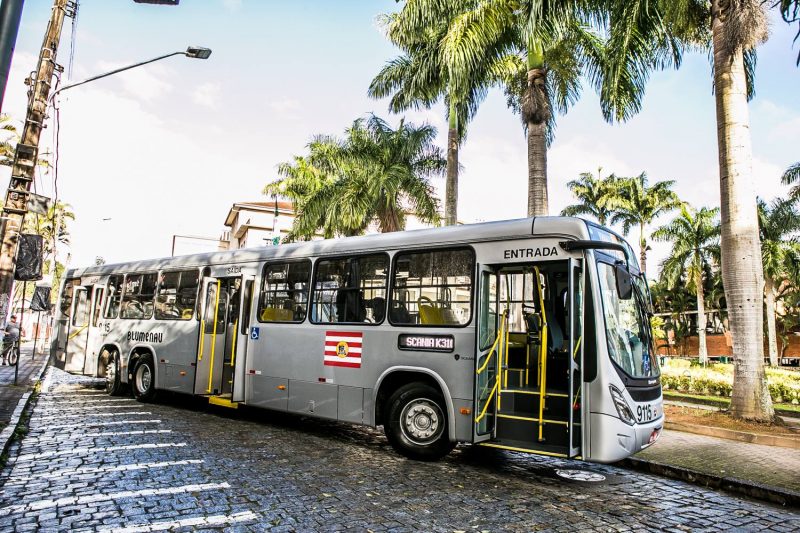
pixel 165 149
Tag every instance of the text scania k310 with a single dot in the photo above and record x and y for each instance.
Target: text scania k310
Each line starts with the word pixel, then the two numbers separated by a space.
pixel 530 335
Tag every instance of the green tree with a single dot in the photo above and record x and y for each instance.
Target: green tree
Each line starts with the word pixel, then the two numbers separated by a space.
pixel 731 30
pixel 594 195
pixel 790 177
pixel 694 235
pixel 9 139
pixel 549 47
pixel 373 174
pixel 638 204
pixel 419 78
pixel 779 223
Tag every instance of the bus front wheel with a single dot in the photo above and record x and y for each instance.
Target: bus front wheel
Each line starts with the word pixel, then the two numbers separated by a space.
pixel 416 423
pixel 144 379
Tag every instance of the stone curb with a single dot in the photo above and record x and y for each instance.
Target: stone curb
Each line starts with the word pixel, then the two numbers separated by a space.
pixel 730 434
pixel 751 489
pixel 7 435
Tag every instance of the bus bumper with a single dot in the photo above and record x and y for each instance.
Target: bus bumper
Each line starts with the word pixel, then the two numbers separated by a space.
pixel 617 440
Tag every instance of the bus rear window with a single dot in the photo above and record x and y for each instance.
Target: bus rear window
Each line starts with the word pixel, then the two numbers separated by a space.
pixel 432 288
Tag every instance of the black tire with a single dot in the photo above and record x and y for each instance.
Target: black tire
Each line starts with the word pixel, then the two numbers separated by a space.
pixel 416 423
pixel 144 379
pixel 114 384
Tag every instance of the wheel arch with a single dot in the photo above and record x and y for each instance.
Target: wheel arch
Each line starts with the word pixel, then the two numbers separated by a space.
pixel 137 352
pixel 105 348
pixel 395 377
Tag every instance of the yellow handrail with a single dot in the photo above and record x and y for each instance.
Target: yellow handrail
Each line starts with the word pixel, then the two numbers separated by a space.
pixel 542 354
pixel 494 345
pixel 213 339
pixel 503 329
pixel 78 331
pixel 488 401
pixel 233 343
pixel 202 337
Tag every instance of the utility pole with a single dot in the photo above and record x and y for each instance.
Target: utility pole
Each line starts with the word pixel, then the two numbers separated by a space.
pixel 27 151
pixel 10 15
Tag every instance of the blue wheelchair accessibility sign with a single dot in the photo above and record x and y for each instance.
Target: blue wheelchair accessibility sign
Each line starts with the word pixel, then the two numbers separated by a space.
pixel 254 333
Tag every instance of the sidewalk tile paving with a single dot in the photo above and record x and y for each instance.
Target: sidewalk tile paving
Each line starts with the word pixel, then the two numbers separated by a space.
pixel 756 463
pixel 10 393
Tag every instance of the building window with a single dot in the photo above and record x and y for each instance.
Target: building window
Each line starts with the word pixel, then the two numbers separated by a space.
pixel 350 290
pixel 432 288
pixel 177 294
pixel 137 296
pixel 114 297
pixel 284 292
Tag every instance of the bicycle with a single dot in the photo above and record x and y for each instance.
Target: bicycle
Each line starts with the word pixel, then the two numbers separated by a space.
pixel 10 353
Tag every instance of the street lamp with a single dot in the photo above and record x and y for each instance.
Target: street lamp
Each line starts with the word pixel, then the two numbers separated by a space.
pixel 194 52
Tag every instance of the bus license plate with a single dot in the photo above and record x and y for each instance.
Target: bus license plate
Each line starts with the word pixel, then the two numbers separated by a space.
pixel 646 413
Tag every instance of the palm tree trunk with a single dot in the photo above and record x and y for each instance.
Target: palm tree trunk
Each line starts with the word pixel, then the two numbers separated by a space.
pixel 701 318
pixel 742 271
pixel 536 113
pixel 642 249
pixel 451 186
pixel 772 336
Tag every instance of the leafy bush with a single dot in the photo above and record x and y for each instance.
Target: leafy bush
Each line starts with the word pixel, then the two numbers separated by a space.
pixel 717 379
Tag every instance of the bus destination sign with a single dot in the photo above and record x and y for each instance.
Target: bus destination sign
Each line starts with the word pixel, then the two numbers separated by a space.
pixel 426 343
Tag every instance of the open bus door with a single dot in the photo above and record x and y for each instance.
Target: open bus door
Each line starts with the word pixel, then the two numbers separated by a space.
pixel 488 357
pixel 576 310
pixel 78 334
pixel 210 330
pixel 94 331
pixel 239 358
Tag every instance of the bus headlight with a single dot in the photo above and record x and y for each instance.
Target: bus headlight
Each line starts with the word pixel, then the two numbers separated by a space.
pixel 624 411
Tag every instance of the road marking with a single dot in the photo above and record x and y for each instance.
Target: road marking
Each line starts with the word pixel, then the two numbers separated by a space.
pixel 111 423
pixel 79 415
pixel 104 400
pixel 67 472
pixel 93 498
pixel 200 521
pixel 88 449
pixel 69 437
pixel 63 408
pixel 137 432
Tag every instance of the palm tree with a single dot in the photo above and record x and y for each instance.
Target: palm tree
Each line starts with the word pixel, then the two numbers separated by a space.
pixel 638 205
pixel 694 235
pixel 792 175
pixel 419 78
pixel 779 224
pixel 594 195
pixel 375 173
pixel 731 31
pixel 548 47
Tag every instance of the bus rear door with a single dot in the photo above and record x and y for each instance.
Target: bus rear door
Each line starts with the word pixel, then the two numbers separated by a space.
pixel 78 335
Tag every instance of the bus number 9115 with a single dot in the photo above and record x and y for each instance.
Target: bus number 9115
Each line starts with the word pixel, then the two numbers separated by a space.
pixel 645 413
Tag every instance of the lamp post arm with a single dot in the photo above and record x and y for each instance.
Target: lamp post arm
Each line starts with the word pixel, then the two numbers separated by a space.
pixel 116 71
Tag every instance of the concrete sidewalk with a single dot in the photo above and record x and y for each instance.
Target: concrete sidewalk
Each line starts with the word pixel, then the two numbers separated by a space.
pixel 764 472
pixel 29 368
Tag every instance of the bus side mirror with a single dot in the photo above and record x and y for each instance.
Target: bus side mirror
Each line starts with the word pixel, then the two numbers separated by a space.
pixel 624 282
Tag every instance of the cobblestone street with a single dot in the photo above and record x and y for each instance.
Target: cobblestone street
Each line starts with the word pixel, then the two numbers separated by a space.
pixel 92 462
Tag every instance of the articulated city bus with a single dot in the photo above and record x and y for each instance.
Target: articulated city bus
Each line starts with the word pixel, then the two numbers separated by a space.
pixel 530 335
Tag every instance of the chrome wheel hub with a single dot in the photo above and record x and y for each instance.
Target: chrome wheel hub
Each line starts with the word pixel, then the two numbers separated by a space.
pixel 143 378
pixel 421 421
pixel 111 372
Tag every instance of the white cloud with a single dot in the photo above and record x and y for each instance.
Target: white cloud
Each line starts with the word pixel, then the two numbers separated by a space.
pixel 287 108
pixel 207 94
pixel 232 5
pixel 146 83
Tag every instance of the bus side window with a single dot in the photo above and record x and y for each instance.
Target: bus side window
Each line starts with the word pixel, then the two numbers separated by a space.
pixel 66 296
pixel 284 292
pixel 137 297
pixel 98 305
pixel 432 288
pixel 177 292
pixel 350 290
pixel 114 296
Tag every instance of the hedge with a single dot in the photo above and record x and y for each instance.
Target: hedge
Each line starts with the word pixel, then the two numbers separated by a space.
pixel 717 380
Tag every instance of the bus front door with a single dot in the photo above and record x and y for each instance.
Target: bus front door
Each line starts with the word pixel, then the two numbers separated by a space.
pixel 75 352
pixel 242 332
pixel 488 358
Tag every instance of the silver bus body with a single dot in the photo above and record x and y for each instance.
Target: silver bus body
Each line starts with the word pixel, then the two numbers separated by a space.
pixel 557 389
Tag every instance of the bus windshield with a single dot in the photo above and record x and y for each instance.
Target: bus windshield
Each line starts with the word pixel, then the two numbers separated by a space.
pixel 627 327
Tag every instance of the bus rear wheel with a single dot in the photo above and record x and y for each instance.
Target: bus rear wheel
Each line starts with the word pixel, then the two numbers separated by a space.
pixel 416 423
pixel 144 379
pixel 114 384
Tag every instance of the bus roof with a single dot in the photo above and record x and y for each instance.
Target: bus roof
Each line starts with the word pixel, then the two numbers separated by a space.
pixel 567 227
